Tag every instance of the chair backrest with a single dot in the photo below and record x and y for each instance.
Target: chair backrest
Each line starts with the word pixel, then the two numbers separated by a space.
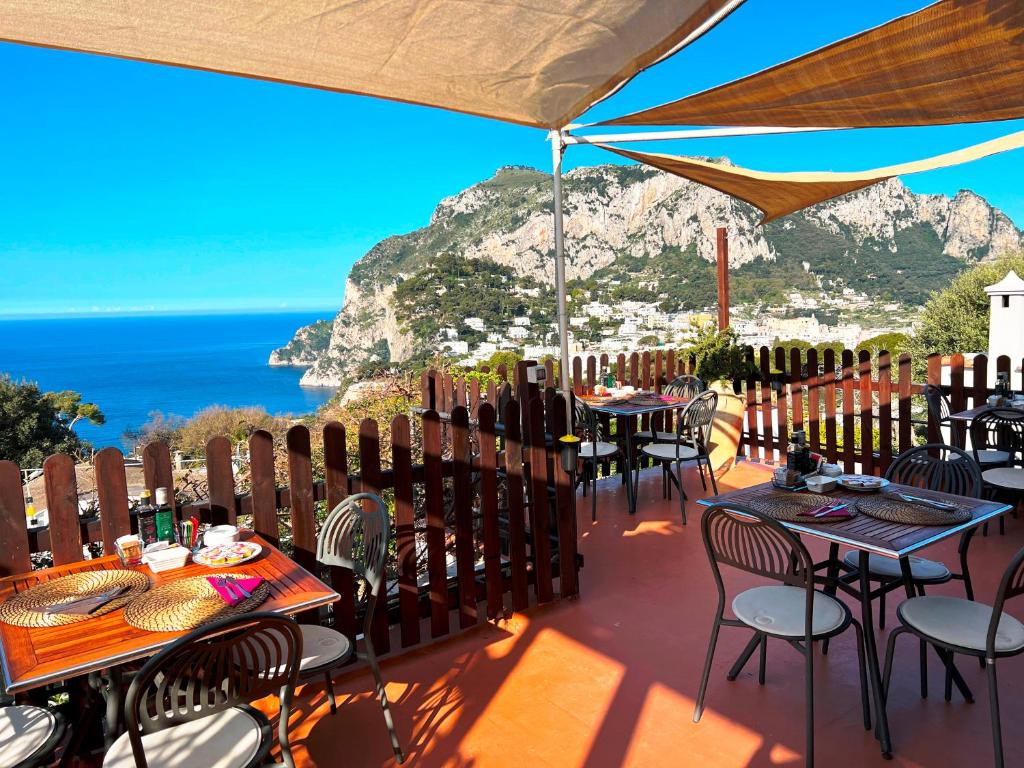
pixel 938 404
pixel 355 536
pixel 741 538
pixel 698 417
pixel 1011 585
pixel 1000 429
pixel 938 467
pixel 221 665
pixel 684 386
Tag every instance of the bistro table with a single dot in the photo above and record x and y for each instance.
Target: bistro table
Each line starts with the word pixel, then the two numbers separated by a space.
pixel 630 406
pixel 34 657
pixel 870 535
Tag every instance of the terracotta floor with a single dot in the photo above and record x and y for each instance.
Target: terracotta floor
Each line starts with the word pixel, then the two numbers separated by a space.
pixel 610 679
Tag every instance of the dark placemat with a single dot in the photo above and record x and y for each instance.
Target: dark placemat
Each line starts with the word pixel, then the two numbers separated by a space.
pixel 894 510
pixel 189 603
pixel 23 610
pixel 787 506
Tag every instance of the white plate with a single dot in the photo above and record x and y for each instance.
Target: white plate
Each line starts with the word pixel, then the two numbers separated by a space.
pixel 201 556
pixel 850 482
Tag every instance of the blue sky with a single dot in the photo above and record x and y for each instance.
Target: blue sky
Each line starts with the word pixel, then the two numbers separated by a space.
pixel 130 186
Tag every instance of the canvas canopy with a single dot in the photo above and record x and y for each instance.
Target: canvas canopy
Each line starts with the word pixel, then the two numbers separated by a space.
pixel 535 62
pixel 956 61
pixel 778 194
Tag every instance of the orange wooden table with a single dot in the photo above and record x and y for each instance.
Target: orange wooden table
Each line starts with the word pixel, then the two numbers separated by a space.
pixel 33 657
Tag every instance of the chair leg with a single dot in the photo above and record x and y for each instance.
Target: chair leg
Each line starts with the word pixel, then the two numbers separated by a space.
pixel 593 501
pixel 881 610
pixel 714 483
pixel 698 709
pixel 383 696
pixel 924 671
pixel 862 666
pixel 890 653
pixel 682 496
pixel 329 688
pixel 763 660
pixel 703 480
pixel 993 703
pixel 741 661
pixel 809 672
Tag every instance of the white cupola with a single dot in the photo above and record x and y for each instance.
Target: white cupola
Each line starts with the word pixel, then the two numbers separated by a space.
pixel 1006 323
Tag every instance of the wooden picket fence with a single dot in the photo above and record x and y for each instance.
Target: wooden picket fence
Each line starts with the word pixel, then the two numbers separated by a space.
pixel 857 410
pixel 503 510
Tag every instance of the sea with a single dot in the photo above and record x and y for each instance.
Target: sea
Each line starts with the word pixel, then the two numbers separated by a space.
pixel 132 366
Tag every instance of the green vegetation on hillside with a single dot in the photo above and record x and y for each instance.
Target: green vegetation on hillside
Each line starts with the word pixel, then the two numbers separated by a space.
pixel 308 342
pixel 36 424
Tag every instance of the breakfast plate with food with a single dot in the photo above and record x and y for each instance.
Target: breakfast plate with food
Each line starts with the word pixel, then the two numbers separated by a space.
pixel 866 483
pixel 224 555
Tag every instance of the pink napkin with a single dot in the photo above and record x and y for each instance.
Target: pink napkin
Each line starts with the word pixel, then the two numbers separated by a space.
pixel 228 593
pixel 816 512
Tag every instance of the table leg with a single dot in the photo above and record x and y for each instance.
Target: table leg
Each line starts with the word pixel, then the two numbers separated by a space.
pixel 630 488
pixel 866 618
pixel 831 577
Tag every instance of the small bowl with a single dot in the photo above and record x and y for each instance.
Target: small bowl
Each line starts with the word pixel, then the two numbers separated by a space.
pixel 220 534
pixel 820 483
pixel 831 470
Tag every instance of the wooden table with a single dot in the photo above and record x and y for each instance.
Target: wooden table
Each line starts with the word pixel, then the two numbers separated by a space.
pixel 629 407
pixel 33 657
pixel 869 535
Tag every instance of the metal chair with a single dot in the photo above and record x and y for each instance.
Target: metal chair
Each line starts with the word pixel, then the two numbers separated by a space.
pixel 189 704
pixel 593 450
pixel 687 387
pixel 360 523
pixel 689 443
pixel 953 625
pixel 740 538
pixel 1001 431
pixel 29 736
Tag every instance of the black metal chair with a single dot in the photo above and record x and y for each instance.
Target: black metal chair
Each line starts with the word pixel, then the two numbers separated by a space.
pixel 29 736
pixel 1001 431
pixel 953 625
pixel 189 704
pixel 690 442
pixel 593 449
pixel 687 387
pixel 355 535
pixel 792 610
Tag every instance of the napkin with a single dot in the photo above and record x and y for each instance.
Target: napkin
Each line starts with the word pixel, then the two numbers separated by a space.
pixel 228 593
pixel 832 512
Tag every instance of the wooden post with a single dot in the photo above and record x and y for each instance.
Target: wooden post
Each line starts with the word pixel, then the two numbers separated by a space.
pixel 723 277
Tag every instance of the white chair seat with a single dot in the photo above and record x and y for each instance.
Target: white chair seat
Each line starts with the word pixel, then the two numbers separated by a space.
pixel 993 457
pixel 24 732
pixel 322 645
pixel 889 568
pixel 1005 477
pixel 603 450
pixel 956 621
pixel 669 451
pixel 228 739
pixel 779 610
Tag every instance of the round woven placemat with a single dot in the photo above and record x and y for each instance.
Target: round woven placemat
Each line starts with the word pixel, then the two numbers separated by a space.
pixel 894 510
pixel 787 505
pixel 188 603
pixel 21 610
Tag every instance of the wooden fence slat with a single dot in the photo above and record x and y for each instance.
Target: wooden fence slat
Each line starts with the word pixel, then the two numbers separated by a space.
pixel 591 372
pixel 577 375
pixel 300 481
pixel 957 396
pixel 405 528
pixel 474 398
pixel 767 409
pixel 830 406
pixel 781 397
pixel 634 369
pixel 112 493
pixel 488 465
pixel 516 510
pixel 866 403
pixel 263 486
pixel 433 491
pixel 462 492
pixel 935 379
pixel 62 508
pixel 980 381
pixel 14 554
pixel 540 528
pixel 884 410
pixel 659 371
pixel 156 468
pixel 753 446
pixel 849 441
pixel 565 510
pixel 221 480
pixel 906 429
pixel 796 388
pixel 370 476
pixel 814 400
pixel 337 481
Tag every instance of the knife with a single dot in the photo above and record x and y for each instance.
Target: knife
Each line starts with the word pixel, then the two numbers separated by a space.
pixel 101 599
pixel 933 503
pixel 245 593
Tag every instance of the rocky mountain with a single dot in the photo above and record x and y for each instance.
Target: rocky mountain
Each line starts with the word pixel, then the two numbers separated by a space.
pixel 637 233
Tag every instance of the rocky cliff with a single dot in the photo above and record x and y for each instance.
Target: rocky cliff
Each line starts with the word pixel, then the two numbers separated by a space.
pixel 885 239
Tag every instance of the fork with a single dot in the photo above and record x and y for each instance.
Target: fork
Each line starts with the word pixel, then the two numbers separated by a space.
pixel 933 503
pixel 244 592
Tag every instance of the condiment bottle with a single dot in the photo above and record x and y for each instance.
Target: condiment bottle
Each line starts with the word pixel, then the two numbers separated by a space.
pixel 147 519
pixel 164 517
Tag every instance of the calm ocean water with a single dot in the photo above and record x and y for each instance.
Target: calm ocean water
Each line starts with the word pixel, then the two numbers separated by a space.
pixel 177 364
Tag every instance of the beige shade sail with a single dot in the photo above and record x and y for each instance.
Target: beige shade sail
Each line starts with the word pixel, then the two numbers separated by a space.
pixel 778 194
pixel 956 61
pixel 535 62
